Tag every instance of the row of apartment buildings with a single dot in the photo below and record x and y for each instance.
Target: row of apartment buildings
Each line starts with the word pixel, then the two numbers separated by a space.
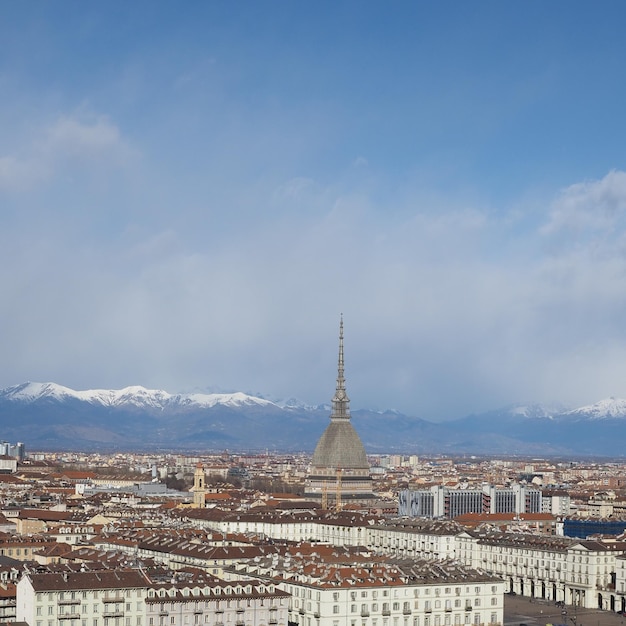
pixel 305 584
pixel 584 573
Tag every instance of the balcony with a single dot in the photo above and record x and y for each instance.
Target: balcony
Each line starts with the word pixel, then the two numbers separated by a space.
pixel 468 607
pixel 406 611
pixel 118 614
pixel 386 612
pixel 68 602
pixel 365 613
pixel 62 616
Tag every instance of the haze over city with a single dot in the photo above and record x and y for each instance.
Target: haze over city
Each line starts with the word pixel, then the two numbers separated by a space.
pixel 190 196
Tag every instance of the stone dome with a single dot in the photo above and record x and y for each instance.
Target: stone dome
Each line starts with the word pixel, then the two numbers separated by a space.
pixel 340 447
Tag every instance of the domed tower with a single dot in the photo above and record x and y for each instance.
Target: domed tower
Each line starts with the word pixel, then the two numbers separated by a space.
pixel 339 472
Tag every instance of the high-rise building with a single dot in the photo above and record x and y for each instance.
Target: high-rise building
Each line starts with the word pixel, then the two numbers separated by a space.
pixel 339 472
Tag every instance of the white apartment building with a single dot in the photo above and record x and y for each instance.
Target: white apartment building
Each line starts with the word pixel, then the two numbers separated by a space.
pixel 131 598
pixel 94 598
pixel 420 538
pixel 369 593
pixel 242 603
pixel 579 573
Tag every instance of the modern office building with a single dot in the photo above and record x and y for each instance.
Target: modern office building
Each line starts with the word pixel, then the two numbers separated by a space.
pixel 440 501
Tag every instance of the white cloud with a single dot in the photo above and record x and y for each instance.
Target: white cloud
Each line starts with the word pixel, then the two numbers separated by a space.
pixel 80 138
pixel 71 140
pixel 442 318
pixel 589 206
pixel 16 173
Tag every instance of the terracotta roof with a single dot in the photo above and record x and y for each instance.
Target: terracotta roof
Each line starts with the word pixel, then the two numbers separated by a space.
pixel 45 515
pixel 102 579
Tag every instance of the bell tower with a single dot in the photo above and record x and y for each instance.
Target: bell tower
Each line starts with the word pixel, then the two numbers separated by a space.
pixel 199 487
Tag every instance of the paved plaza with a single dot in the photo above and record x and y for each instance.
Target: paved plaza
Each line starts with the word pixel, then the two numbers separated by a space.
pixel 520 610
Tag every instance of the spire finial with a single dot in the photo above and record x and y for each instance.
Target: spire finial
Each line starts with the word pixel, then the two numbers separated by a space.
pixel 340 402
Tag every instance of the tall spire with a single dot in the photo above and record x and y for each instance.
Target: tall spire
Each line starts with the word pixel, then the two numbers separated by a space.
pixel 340 401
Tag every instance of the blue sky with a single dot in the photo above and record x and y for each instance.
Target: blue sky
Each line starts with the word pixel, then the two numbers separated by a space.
pixel 191 194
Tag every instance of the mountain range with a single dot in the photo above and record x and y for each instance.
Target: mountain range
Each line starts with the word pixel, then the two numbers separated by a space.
pixel 47 416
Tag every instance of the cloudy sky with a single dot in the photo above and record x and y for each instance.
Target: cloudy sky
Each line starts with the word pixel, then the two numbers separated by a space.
pixel 191 194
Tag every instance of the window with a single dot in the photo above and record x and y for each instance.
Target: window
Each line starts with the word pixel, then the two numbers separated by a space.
pixel 335 608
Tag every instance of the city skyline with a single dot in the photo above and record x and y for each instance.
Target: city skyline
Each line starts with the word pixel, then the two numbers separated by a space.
pixel 190 199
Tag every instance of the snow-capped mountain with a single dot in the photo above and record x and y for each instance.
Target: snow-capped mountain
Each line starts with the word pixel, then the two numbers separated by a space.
pixel 135 396
pixel 610 408
pixel 536 411
pixel 50 416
